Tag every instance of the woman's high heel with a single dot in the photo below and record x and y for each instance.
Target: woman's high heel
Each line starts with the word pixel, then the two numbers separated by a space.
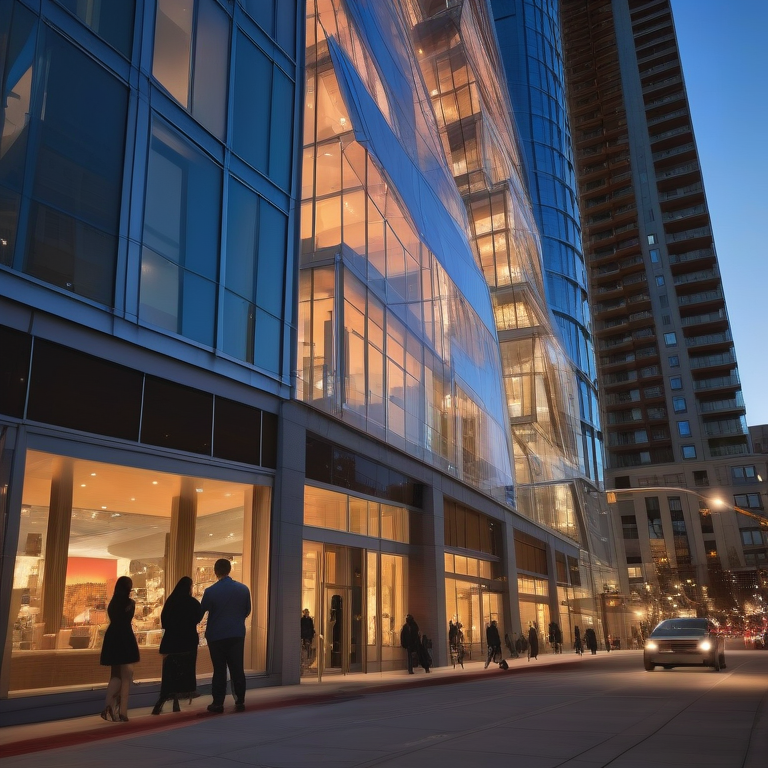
pixel 123 718
pixel 176 707
pixel 158 708
pixel 108 714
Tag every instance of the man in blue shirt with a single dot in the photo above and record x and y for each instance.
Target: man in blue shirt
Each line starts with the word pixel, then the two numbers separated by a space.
pixel 228 604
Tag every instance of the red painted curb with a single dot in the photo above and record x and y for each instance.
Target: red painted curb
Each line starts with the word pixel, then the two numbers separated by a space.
pixel 156 724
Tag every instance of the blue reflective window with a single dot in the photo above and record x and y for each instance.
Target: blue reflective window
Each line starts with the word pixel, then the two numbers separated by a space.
pixel 689 451
pixel 270 280
pixel 251 112
pixel 684 428
pixel 242 239
pixel 110 20
pixel 281 130
pixel 268 341
pixel 78 171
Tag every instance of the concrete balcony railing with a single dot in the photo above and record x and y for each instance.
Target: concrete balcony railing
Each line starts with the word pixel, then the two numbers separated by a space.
pixel 674 80
pixel 668 99
pixel 670 133
pixel 688 189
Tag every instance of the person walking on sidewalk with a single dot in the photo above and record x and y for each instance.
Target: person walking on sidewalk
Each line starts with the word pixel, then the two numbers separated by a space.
pixel 533 642
pixel 591 640
pixel 577 641
pixel 119 651
pixel 493 640
pixel 409 639
pixel 180 616
pixel 228 604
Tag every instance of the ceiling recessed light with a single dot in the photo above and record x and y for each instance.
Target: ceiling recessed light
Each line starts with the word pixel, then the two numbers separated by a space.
pixel 133 498
pixel 154 482
pixel 82 485
pixel 103 507
pixel 198 490
pixel 93 474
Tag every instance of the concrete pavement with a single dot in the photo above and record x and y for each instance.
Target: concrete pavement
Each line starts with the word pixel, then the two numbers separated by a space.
pixel 558 711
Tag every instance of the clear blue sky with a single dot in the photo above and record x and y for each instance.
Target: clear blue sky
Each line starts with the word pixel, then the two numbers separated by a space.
pixel 724 50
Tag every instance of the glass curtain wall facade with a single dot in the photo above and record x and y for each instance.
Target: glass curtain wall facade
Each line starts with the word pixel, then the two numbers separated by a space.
pixel 396 331
pixel 148 180
pixel 558 459
pixel 203 255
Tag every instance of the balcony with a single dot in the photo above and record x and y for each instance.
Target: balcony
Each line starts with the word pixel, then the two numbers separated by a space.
pixel 667 116
pixel 674 64
pixel 688 234
pixel 718 316
pixel 670 133
pixel 709 339
pixel 699 253
pixel 684 213
pixel 733 449
pixel 721 406
pixel 726 428
pixel 703 297
pixel 615 341
pixel 697 277
pixel 677 96
pixel 679 170
pixel 622 377
pixel 713 361
pixel 666 83
pixel 638 437
pixel 673 152
pixel 620 398
pixel 673 194
pixel 718 382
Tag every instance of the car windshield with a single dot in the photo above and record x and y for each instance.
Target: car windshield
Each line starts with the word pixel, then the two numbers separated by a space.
pixel 681 627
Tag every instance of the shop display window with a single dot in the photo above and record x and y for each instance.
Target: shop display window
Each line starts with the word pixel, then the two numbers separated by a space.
pixel 341 512
pixel 83 525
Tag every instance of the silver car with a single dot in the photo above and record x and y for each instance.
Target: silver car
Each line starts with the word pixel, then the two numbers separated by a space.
pixel 684 643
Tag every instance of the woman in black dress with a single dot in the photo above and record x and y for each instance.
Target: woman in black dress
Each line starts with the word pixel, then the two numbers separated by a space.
pixel 180 617
pixel 120 651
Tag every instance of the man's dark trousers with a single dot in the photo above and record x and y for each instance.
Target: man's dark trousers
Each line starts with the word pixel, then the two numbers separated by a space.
pixel 227 653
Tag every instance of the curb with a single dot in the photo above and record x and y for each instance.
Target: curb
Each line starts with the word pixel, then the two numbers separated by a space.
pixel 149 724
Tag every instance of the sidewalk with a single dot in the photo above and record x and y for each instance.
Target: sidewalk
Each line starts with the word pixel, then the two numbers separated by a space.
pixel 36 737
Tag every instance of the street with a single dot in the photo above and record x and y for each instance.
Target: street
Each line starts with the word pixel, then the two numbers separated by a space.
pixel 606 711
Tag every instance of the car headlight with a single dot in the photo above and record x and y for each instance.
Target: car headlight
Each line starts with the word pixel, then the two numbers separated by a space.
pixel 651 646
pixel 705 645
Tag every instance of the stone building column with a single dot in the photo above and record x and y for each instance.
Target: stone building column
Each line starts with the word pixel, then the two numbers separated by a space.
pixel 57 543
pixel 181 541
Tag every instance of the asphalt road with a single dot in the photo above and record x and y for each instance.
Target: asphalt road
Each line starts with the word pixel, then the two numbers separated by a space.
pixel 605 712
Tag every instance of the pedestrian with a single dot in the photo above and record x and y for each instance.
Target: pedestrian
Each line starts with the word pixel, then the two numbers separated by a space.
pixel 559 638
pixel 590 638
pixel 609 642
pixel 180 616
pixel 119 651
pixel 494 642
pixel 425 656
pixel 307 636
pixel 577 641
pixel 533 643
pixel 510 643
pixel 228 604
pixel 409 639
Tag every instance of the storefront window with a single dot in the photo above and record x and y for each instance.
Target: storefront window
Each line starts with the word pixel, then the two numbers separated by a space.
pixel 341 512
pixel 393 594
pixel 83 525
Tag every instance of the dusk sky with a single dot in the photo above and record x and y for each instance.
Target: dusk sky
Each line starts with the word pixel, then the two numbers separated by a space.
pixel 724 50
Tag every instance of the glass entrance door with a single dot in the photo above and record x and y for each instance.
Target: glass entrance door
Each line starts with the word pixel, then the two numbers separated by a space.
pixel 337 628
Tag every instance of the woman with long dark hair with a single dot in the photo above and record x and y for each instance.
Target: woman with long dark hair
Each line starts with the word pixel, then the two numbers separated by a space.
pixel 120 651
pixel 180 616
